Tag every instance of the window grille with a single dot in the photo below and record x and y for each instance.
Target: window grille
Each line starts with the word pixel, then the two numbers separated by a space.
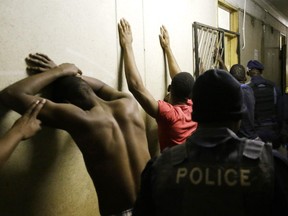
pixel 209 44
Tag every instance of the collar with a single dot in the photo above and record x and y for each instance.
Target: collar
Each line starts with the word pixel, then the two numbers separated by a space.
pixel 211 137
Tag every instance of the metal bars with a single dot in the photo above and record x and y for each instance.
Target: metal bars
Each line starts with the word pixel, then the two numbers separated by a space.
pixel 209 43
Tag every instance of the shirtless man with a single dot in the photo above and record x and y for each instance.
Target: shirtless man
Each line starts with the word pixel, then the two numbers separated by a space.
pixel 104 123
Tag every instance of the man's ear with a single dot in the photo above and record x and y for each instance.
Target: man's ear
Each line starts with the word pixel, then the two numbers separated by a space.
pixel 169 88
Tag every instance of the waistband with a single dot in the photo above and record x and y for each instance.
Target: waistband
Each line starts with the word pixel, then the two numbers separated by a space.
pixel 127 212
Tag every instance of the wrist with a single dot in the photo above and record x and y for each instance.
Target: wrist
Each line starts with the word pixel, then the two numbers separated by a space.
pixel 127 46
pixel 15 134
pixel 167 49
pixel 58 71
pixel 64 70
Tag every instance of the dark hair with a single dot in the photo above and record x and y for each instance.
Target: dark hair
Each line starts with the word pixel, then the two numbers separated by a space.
pixel 182 85
pixel 238 72
pixel 72 89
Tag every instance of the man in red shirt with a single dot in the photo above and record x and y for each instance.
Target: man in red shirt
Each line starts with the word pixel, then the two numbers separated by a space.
pixel 173 117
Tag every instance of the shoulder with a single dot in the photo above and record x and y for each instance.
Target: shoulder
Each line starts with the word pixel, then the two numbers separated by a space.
pixel 124 96
pixel 256 149
pixel 247 89
pixel 271 83
pixel 126 102
pixel 126 109
pixel 280 160
pixel 62 115
pixel 163 103
pixel 246 86
pixel 164 107
pixel 265 81
pixel 171 156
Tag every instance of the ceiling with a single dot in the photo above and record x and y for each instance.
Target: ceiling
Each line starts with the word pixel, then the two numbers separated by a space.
pixel 281 6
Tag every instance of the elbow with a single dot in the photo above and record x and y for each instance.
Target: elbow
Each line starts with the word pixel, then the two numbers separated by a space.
pixel 5 95
pixel 131 88
pixel 135 87
pixel 10 99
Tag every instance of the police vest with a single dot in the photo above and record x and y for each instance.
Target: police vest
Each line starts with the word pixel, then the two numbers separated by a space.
pixel 234 179
pixel 264 101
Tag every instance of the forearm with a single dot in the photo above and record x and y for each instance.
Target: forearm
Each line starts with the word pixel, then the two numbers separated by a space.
pixel 8 143
pixel 133 77
pixel 222 65
pixel 34 84
pixel 18 95
pixel 172 63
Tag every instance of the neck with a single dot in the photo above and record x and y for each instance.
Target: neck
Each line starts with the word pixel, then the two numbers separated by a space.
pixel 178 102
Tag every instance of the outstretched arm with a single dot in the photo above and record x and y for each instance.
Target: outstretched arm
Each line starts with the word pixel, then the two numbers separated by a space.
pixel 23 128
pixel 165 43
pixel 134 80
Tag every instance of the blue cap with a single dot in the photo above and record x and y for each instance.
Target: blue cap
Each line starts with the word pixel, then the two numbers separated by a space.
pixel 254 64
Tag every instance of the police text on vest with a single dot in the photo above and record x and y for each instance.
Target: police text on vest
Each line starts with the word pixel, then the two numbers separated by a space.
pixel 214 177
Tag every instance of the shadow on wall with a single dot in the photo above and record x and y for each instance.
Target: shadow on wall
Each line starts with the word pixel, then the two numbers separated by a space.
pixel 45 175
pixel 20 183
pixel 152 136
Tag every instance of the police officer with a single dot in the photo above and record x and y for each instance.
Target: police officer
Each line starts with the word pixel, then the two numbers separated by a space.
pixel 267 114
pixel 247 128
pixel 215 172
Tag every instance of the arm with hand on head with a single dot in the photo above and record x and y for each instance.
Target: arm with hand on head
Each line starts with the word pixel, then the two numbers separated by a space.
pixel 22 93
pixel 23 128
pixel 41 63
pixel 165 43
pixel 133 77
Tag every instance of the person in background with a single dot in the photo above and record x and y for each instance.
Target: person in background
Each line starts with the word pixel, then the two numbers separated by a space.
pixel 268 115
pixel 247 128
pixel 23 128
pixel 215 172
pixel 238 71
pixel 219 62
pixel 105 124
pixel 173 118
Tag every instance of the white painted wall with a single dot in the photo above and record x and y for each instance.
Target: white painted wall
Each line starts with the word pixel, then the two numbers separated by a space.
pixel 46 175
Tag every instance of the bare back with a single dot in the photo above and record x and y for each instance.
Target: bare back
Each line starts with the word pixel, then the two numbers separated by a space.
pixel 112 139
